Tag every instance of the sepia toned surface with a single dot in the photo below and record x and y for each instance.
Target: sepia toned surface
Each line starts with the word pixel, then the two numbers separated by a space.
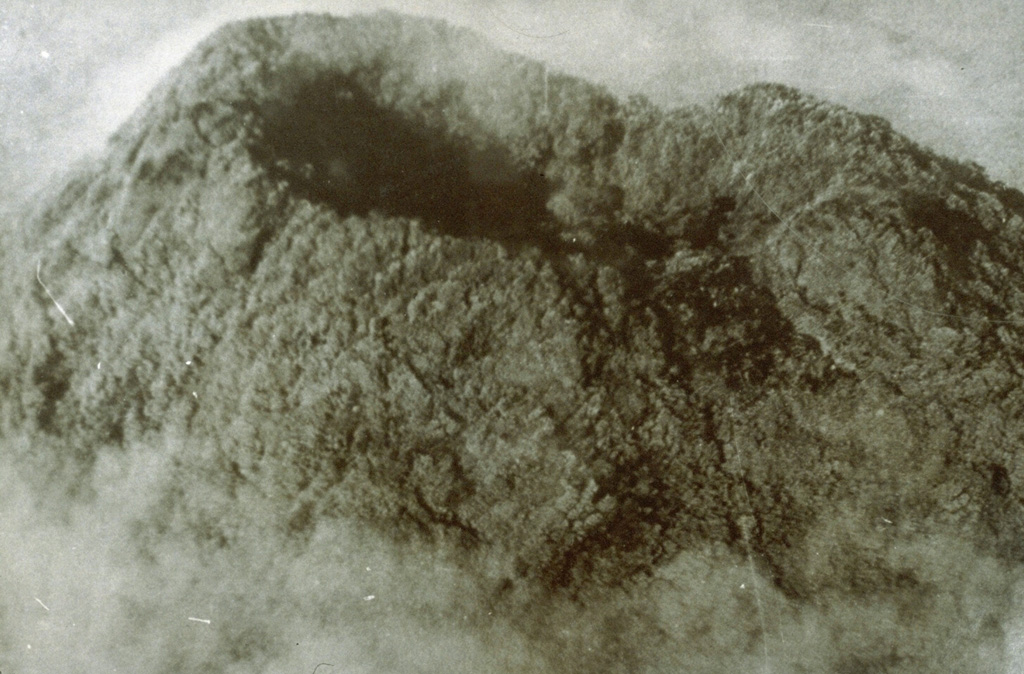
pixel 364 345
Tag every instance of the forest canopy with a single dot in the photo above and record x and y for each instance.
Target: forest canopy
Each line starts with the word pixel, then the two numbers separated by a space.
pixel 596 386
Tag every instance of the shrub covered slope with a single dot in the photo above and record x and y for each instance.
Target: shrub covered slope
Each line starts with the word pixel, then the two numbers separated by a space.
pixel 642 390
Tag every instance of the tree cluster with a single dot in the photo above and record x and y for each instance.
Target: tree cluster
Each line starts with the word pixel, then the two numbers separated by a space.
pixel 404 280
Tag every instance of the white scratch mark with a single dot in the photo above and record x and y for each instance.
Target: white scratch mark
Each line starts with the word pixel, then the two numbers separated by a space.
pixel 369 597
pixel 199 620
pixel 546 108
pixel 887 521
pixel 99 366
pixel 41 603
pixel 195 395
pixel 45 54
pixel 52 298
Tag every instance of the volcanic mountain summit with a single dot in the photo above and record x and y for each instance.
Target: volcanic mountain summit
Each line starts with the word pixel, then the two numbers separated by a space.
pixel 664 390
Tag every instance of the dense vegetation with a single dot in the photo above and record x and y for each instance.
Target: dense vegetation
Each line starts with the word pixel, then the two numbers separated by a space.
pixel 608 362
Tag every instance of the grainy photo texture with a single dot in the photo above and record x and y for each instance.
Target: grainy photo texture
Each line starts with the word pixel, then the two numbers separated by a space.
pixel 511 337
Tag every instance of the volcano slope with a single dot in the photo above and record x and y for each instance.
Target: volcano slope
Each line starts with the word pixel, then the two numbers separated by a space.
pixel 391 351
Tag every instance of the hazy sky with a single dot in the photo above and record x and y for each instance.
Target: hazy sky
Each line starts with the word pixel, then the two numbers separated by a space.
pixel 949 74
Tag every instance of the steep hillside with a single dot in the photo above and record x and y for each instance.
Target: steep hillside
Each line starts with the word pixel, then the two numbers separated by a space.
pixel 688 390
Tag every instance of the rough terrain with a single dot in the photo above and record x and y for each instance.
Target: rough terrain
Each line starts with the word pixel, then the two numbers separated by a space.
pixel 600 386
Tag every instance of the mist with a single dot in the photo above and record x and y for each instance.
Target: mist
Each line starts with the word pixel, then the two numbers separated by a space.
pixel 85 589
pixel 111 582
